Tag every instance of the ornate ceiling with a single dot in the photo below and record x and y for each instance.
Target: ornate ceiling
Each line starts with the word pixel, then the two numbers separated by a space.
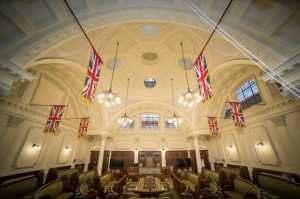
pixel 43 36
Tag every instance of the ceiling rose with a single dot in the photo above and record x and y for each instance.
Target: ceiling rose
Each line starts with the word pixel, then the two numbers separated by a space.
pixel 150 58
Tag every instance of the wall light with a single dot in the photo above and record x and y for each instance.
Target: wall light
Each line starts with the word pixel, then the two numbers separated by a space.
pixel 68 148
pixel 259 145
pixel 229 147
pixel 35 146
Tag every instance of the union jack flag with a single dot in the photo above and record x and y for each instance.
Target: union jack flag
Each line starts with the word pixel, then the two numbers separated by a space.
pixel 237 114
pixel 84 122
pixel 203 77
pixel 92 77
pixel 54 119
pixel 213 126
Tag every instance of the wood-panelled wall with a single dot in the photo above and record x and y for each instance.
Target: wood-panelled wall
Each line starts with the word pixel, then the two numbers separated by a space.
pixel 128 157
pixel 172 155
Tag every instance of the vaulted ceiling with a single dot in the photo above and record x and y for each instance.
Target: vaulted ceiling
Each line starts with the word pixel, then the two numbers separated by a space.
pixel 42 36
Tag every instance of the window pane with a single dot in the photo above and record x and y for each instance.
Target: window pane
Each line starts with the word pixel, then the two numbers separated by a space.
pixel 241 97
pixel 248 94
pixel 149 121
pixel 227 112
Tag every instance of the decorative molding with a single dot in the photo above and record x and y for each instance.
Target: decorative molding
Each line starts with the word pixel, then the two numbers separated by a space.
pixel 279 120
pixel 10 72
pixel 14 122
pixel 37 115
pixel 256 49
pixel 32 52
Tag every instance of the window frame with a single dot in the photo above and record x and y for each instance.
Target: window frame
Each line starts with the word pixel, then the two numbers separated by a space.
pixel 141 121
pixel 245 105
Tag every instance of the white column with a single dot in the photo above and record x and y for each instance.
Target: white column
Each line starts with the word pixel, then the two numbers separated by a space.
pixel 163 158
pixel 101 154
pixel 197 152
pixel 109 157
pixel 136 158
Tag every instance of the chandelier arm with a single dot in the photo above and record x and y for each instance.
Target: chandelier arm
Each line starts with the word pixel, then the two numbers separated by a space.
pixel 187 82
pixel 173 96
pixel 126 96
pixel 112 76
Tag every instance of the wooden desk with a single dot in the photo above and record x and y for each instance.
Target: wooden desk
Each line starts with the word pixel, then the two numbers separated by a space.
pixel 144 192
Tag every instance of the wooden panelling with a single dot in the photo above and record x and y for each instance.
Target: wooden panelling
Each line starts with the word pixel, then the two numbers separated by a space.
pixel 155 156
pixel 94 157
pixel 193 161
pixel 128 156
pixel 172 155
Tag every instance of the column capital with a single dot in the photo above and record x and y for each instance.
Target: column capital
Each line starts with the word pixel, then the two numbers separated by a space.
pixel 195 136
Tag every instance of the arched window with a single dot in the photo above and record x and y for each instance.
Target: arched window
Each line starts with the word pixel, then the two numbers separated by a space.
pixel 248 94
pixel 149 121
pixel 227 112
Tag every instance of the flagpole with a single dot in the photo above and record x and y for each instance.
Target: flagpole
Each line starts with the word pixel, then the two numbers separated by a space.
pixel 246 103
pixel 78 22
pixel 73 118
pixel 216 25
pixel 46 105
pixel 78 118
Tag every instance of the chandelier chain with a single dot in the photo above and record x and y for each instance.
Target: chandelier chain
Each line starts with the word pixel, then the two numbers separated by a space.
pixel 187 82
pixel 173 96
pixel 126 96
pixel 112 76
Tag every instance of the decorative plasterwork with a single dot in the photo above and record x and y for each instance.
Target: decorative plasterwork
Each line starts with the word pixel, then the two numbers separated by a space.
pixel 14 122
pixel 34 51
pixel 279 120
pixel 289 70
pixel 10 72
pixel 256 49
pixel 38 115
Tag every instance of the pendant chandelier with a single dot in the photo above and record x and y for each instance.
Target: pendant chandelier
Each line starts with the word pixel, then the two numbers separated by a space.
pixel 190 97
pixel 124 120
pixel 175 119
pixel 108 97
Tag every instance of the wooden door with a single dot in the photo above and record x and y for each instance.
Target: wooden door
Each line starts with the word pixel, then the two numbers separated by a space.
pixel 94 158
